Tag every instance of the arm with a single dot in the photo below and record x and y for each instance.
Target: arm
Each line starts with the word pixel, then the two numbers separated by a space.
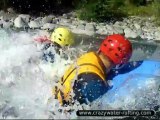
pixel 89 87
pixel 48 54
pixel 42 39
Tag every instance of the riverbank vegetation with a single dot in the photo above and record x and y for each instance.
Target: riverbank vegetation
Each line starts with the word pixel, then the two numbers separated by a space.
pixel 90 10
pixel 102 10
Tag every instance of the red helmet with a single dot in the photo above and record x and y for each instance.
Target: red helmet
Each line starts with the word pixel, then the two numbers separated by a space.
pixel 117 48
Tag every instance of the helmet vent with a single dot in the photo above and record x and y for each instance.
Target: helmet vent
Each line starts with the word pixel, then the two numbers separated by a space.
pixel 105 45
pixel 116 55
pixel 60 35
pixel 110 40
pixel 119 49
pixel 59 39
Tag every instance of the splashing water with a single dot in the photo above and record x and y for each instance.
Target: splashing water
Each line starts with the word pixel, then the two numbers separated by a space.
pixel 26 82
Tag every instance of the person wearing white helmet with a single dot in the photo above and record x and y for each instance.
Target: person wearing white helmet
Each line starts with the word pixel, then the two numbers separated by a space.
pixel 60 38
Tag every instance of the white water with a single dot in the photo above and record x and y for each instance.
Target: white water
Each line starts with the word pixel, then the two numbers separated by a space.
pixel 26 81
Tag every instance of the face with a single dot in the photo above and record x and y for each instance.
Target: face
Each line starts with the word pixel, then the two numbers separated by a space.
pixel 107 62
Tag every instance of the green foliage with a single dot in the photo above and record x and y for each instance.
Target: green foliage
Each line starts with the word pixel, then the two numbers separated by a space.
pixel 4 4
pixel 99 10
pixel 152 9
pixel 94 10
pixel 136 2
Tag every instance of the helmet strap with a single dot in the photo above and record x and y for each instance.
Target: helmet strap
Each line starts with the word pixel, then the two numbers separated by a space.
pixel 98 52
pixel 57 45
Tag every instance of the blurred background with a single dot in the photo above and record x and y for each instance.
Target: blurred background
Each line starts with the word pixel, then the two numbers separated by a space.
pixel 91 10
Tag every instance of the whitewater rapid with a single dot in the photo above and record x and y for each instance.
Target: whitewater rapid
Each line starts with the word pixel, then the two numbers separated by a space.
pixel 26 81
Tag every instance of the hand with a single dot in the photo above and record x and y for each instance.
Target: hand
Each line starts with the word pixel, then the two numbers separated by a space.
pixel 42 39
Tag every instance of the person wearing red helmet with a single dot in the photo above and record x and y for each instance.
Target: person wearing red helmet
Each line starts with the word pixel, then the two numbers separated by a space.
pixel 86 79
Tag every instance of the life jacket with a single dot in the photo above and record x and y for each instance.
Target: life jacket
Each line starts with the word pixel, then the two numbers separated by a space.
pixel 87 63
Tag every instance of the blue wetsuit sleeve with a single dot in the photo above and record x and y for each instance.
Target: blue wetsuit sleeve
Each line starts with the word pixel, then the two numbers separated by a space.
pixel 48 55
pixel 89 87
pixel 46 46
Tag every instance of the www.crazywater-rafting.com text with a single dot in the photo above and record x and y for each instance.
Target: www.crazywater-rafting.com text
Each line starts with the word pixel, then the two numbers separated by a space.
pixel 115 113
